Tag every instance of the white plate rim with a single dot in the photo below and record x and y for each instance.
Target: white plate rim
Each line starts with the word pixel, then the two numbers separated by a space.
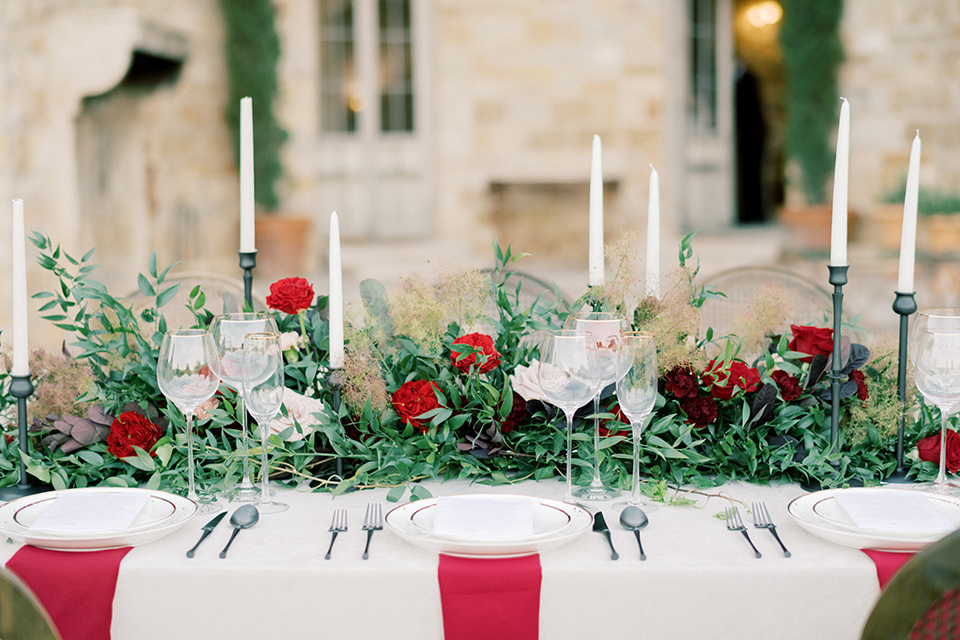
pixel 184 510
pixel 801 511
pixel 400 522
pixel 53 495
pixel 905 533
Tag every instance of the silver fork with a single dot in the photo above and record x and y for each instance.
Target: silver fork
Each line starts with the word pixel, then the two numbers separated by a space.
pixel 372 521
pixel 762 520
pixel 734 523
pixel 338 524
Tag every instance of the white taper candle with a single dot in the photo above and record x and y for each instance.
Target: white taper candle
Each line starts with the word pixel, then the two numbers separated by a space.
pixel 21 349
pixel 838 230
pixel 908 237
pixel 247 233
pixel 653 236
pixel 336 295
pixel 596 216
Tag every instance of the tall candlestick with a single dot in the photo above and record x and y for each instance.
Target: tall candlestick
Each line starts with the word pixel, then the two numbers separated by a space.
pixel 653 236
pixel 336 295
pixel 596 216
pixel 247 237
pixel 908 237
pixel 838 230
pixel 21 349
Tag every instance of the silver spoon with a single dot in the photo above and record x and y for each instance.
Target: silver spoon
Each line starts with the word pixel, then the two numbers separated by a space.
pixel 243 518
pixel 633 519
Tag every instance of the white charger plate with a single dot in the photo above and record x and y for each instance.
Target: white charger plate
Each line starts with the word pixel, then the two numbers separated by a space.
pixel 820 514
pixel 554 523
pixel 163 513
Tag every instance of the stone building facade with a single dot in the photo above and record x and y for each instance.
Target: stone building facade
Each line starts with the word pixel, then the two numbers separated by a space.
pixel 112 128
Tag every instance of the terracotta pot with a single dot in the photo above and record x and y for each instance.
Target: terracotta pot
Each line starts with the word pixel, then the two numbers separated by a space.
pixel 943 233
pixel 809 226
pixel 282 242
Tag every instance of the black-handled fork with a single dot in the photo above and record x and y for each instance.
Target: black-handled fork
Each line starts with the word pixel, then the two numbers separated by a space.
pixel 372 521
pixel 338 524
pixel 734 523
pixel 762 520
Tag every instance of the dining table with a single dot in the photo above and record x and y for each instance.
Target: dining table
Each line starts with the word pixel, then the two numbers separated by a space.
pixel 699 579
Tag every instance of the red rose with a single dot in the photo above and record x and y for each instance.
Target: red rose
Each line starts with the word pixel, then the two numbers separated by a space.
pixel 812 340
pixel 725 382
pixel 861 380
pixel 700 410
pixel 290 295
pixel 516 415
pixel 415 398
pixel 929 450
pixel 682 382
pixel 130 429
pixel 490 357
pixel 789 386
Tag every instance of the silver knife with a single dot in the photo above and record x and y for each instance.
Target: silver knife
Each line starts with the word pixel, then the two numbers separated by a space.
pixel 207 528
pixel 600 526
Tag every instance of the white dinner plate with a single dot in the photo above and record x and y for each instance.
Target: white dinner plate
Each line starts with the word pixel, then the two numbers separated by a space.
pixel 820 514
pixel 554 523
pixel 162 514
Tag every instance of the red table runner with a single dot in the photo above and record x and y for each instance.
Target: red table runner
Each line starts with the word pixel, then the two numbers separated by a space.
pixel 490 598
pixel 888 563
pixel 76 588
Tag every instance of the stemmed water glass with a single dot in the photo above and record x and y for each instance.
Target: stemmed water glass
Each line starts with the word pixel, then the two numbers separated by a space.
pixel 229 330
pixel 935 351
pixel 188 373
pixel 606 329
pixel 568 378
pixel 263 390
pixel 637 395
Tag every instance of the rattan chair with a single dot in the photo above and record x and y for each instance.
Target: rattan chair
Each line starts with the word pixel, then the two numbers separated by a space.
pixel 922 601
pixel 22 617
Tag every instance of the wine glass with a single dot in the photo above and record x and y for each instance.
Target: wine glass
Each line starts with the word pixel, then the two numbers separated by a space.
pixel 229 331
pixel 188 373
pixel 606 328
pixel 936 360
pixel 263 390
pixel 637 395
pixel 568 378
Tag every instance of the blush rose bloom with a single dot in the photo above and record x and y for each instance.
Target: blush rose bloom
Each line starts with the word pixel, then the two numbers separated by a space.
pixel 929 450
pixel 811 340
pixel 525 383
pixel 484 344
pixel 724 383
pixel 130 429
pixel 415 398
pixel 290 295
pixel 301 408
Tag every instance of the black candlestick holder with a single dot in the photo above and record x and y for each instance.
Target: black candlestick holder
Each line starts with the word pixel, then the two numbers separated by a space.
pixel 838 278
pixel 335 383
pixel 21 388
pixel 905 305
pixel 248 262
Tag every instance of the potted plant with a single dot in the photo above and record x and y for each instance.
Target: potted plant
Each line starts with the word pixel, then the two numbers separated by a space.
pixel 252 50
pixel 812 53
pixel 938 225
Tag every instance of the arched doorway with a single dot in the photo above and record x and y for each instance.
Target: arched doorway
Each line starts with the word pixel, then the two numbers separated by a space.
pixel 758 110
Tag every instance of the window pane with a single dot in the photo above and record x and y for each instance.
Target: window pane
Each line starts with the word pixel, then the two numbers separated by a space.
pixel 339 89
pixel 703 65
pixel 396 66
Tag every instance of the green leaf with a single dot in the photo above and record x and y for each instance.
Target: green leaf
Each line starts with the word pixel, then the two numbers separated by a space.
pixel 167 295
pixel 145 287
pixel 396 493
pixel 419 492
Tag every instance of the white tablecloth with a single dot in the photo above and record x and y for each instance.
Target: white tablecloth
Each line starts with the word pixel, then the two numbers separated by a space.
pixel 699 581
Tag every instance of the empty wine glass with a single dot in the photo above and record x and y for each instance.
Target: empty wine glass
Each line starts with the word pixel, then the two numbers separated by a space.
pixel 188 373
pixel 936 360
pixel 568 378
pixel 606 328
pixel 263 390
pixel 637 395
pixel 229 331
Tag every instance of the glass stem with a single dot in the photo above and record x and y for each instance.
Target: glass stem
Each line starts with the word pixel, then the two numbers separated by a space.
pixel 596 482
pixel 635 496
pixel 191 481
pixel 569 494
pixel 941 483
pixel 247 481
pixel 264 427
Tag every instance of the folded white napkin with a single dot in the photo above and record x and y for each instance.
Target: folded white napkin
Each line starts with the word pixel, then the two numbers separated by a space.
pixel 73 512
pixel 893 511
pixel 484 517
